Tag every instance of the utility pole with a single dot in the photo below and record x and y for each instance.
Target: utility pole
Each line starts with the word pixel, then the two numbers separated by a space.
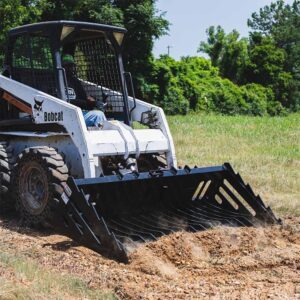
pixel 169 47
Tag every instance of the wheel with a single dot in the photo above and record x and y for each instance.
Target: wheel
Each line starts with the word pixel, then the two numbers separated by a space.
pixel 6 164
pixel 38 178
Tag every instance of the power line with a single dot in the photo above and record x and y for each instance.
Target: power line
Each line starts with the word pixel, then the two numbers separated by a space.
pixel 169 47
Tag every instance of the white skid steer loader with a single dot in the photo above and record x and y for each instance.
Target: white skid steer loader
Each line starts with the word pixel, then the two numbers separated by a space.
pixel 106 186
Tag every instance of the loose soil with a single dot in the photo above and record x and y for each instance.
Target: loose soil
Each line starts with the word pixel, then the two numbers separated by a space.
pixel 222 263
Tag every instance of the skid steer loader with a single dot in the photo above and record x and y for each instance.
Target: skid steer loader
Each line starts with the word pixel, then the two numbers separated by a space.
pixel 107 187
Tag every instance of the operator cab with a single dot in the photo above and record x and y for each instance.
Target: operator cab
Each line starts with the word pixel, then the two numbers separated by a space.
pixel 34 57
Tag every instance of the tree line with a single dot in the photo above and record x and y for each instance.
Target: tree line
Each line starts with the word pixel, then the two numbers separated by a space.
pixel 257 75
pixel 270 56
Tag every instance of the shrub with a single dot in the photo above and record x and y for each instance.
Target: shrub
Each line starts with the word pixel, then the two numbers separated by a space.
pixel 257 97
pixel 174 102
pixel 194 84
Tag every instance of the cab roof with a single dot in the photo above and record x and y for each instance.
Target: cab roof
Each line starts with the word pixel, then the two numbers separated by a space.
pixel 54 26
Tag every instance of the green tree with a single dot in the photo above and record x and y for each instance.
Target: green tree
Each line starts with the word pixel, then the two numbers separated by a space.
pixel 144 24
pixel 99 11
pixel 267 61
pixel 228 52
pixel 268 17
pixel 235 58
pixel 15 13
pixel 268 68
pixel 281 21
pixel 215 44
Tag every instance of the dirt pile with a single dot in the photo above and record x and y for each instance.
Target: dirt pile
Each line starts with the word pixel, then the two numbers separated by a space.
pixel 222 263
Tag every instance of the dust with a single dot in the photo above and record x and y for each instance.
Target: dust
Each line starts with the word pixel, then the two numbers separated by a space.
pixel 144 259
pixel 130 245
pixel 166 223
pixel 197 252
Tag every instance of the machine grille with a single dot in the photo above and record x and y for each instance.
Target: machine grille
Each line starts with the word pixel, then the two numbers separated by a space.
pixel 98 69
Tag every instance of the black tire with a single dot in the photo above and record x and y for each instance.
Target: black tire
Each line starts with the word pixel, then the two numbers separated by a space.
pixel 38 177
pixel 6 164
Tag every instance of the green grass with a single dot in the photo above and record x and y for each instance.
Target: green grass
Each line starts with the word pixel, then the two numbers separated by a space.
pixel 264 150
pixel 25 279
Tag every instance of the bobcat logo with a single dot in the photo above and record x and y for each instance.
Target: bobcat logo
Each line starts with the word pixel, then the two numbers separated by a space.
pixel 38 105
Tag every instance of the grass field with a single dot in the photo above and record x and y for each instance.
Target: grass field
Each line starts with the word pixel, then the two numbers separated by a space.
pixel 264 150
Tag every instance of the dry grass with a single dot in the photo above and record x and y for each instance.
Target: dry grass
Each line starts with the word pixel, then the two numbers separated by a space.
pixel 264 150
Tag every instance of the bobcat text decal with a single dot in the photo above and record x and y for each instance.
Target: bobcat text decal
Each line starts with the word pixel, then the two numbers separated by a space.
pixel 53 116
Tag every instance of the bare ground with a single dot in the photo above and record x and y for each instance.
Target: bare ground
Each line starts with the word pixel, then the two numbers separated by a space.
pixel 222 263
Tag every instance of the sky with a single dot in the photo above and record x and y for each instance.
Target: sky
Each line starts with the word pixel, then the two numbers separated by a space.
pixel 190 19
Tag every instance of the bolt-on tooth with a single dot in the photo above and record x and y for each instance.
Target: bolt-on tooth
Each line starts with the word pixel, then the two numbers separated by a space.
pixel 156 173
pixel 240 178
pixel 248 187
pixel 187 169
pixel 173 170
pixel 228 167
pixel 258 198
pixel 120 175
